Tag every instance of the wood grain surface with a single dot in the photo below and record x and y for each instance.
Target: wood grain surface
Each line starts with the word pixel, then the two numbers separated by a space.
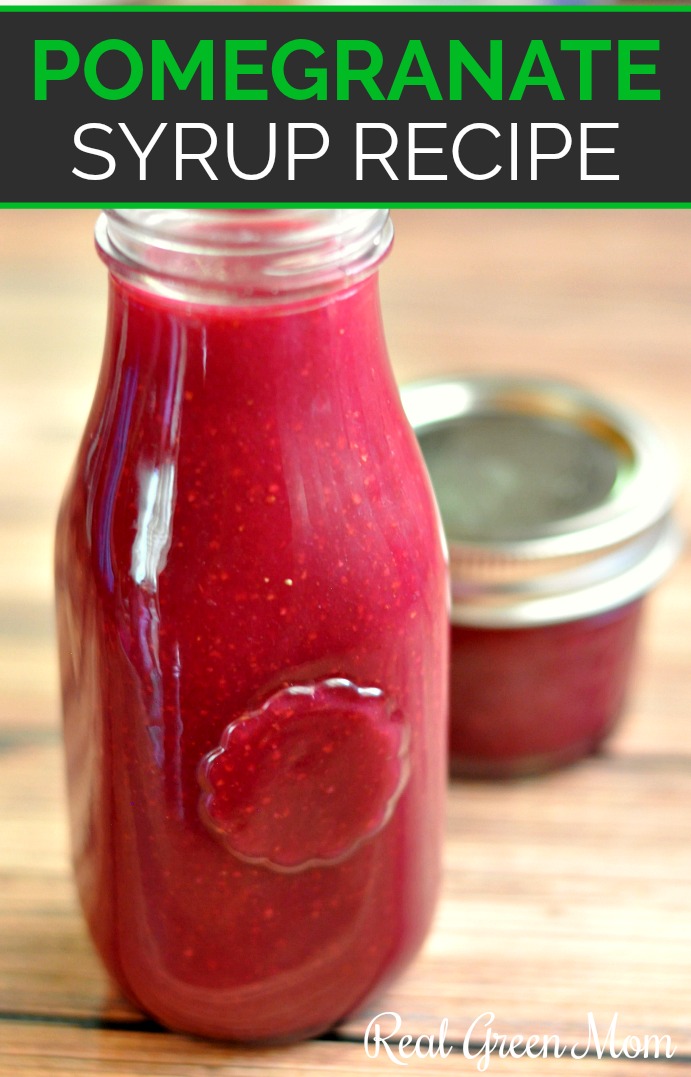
pixel 563 896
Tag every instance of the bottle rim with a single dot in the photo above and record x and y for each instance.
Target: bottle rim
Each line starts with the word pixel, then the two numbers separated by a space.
pixel 243 256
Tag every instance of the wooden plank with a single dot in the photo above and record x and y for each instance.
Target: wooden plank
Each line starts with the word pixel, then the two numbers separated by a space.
pixel 42 1050
pixel 562 896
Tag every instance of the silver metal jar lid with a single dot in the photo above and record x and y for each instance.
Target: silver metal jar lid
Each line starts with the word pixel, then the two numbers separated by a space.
pixel 556 504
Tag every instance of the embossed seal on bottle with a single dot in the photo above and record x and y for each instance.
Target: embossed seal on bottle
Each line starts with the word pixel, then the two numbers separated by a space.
pixel 308 777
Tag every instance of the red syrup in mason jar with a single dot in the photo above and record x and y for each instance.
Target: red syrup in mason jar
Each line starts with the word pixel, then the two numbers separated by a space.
pixel 527 699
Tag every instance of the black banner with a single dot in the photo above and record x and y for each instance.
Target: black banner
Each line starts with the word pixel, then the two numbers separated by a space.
pixel 354 105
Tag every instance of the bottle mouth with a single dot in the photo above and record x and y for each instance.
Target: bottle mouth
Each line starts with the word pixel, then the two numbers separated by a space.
pixel 243 256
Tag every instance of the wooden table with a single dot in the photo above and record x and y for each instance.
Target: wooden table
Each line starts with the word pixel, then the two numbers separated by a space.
pixel 563 896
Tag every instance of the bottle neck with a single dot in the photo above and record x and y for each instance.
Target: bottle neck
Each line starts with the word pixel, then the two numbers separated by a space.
pixel 240 258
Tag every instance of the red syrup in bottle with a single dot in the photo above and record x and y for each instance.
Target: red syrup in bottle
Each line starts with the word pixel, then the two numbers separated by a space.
pixel 253 634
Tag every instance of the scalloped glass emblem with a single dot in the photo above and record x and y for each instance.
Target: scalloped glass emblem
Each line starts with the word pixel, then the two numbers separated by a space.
pixel 308 777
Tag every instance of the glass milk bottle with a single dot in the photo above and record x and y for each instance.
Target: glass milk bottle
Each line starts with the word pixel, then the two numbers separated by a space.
pixel 252 619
